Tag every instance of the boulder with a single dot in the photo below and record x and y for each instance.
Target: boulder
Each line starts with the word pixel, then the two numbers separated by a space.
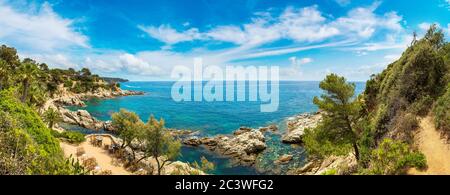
pixel 243 145
pixel 192 141
pixel 294 137
pixel 342 165
pixel 284 159
pixel 296 127
pixel 242 130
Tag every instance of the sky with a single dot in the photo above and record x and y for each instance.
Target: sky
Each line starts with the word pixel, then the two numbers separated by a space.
pixel 143 40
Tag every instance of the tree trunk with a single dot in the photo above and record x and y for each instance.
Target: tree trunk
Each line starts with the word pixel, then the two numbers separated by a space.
pixel 355 147
pixel 25 91
pixel 159 168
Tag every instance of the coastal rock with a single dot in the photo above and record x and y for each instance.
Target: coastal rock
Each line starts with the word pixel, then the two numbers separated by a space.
pixel 103 93
pixel 284 159
pixel 243 147
pixel 340 165
pixel 242 130
pixel 297 125
pixel 107 126
pixel 192 141
pixel 211 142
pixel 70 100
pixel 270 128
pixel 182 133
pixel 81 118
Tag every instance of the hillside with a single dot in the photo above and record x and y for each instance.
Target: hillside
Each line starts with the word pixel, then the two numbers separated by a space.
pixel 27 146
pixel 379 127
pixel 408 87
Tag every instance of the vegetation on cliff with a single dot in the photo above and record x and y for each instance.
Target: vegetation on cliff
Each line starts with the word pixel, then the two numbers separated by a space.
pixel 27 146
pixel 387 110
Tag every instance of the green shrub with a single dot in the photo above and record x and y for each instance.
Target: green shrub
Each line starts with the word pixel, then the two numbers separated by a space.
pixel 23 133
pixel 422 106
pixel 70 136
pixel 442 112
pixel 316 146
pixel 330 172
pixel 416 159
pixel 407 122
pixel 394 157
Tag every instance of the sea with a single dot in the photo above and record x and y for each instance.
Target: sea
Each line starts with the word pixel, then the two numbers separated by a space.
pixel 215 118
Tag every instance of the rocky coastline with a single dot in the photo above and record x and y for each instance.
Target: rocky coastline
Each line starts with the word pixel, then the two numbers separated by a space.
pixel 339 165
pixel 243 146
pixel 296 126
pixel 82 117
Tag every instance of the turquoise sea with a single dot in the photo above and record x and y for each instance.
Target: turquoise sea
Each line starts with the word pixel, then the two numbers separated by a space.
pixel 213 118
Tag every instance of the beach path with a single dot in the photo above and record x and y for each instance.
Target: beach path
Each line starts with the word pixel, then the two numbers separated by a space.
pixel 435 148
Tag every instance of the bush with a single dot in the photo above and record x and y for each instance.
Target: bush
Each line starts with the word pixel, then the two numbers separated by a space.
pixel 105 172
pixel 22 128
pixel 422 106
pixel 407 122
pixel 442 112
pixel 416 160
pixel 330 172
pixel 90 163
pixel 317 147
pixel 394 157
pixel 72 137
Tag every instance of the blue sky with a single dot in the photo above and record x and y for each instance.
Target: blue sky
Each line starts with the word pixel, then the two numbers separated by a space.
pixel 144 40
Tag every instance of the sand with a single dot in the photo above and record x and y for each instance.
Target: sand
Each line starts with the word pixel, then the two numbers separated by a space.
pixel 104 160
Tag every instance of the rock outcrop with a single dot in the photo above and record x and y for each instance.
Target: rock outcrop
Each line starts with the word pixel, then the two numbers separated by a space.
pixel 81 118
pixel 296 127
pixel 284 159
pixel 339 165
pixel 243 146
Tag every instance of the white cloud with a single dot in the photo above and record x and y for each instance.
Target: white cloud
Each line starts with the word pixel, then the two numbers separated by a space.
pixel 298 62
pixel 41 30
pixel 305 24
pixel 301 25
pixel 168 35
pixel 135 65
pixel 306 29
pixel 231 34
pixel 363 22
